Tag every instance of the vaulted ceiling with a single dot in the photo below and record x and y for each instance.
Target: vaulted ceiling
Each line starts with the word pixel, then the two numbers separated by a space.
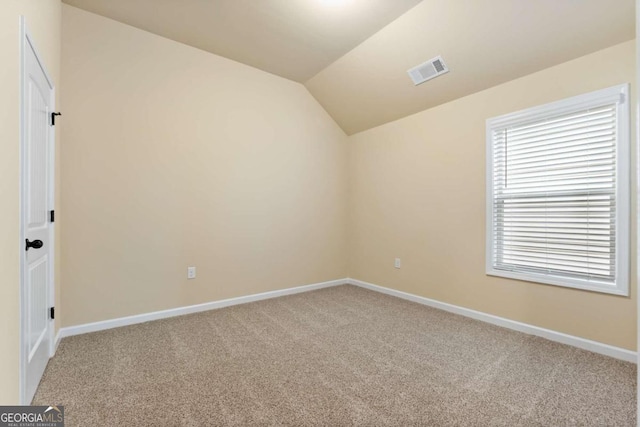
pixel 291 38
pixel 483 42
pixel 353 54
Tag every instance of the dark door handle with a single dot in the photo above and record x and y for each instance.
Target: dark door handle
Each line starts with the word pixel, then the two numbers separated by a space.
pixel 36 244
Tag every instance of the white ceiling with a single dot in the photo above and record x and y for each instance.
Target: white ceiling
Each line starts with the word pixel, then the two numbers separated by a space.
pixel 353 54
pixel 292 38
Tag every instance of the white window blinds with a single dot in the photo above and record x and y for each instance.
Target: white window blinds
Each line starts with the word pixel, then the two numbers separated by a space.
pixel 554 194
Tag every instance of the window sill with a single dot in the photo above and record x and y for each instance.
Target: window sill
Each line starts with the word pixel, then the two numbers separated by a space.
pixel 584 285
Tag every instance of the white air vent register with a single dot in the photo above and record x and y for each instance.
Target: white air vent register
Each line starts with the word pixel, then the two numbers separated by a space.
pixel 430 69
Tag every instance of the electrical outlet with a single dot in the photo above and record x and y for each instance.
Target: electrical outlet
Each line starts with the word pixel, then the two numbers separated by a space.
pixel 397 263
pixel 191 272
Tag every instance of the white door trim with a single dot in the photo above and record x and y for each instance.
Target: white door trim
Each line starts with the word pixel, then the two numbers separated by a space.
pixel 26 41
pixel 637 166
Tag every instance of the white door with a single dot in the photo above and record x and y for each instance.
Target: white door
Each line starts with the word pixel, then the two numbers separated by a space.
pixel 37 202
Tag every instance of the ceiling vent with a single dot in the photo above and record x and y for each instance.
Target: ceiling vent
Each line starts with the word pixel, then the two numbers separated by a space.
pixel 430 69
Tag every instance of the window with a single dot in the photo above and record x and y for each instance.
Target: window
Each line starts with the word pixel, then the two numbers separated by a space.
pixel 558 193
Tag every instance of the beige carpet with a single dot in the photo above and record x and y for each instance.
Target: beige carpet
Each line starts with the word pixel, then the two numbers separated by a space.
pixel 334 357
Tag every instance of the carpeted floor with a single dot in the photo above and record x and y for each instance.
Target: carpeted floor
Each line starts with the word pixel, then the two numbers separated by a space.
pixel 334 357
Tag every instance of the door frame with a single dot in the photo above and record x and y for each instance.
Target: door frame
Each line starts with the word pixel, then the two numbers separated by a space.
pixel 27 42
pixel 637 178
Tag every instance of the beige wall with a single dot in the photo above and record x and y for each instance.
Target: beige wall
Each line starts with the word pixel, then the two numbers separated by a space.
pixel 176 157
pixel 417 192
pixel 43 21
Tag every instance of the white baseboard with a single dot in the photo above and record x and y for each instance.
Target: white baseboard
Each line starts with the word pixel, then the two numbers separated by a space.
pixel 585 344
pixel 180 311
pixel 57 342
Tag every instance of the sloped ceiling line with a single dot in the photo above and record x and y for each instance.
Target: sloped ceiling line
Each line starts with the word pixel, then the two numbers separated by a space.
pixel 352 55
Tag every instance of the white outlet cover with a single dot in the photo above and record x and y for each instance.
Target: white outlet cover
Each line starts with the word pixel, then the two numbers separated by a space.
pixel 398 263
pixel 191 273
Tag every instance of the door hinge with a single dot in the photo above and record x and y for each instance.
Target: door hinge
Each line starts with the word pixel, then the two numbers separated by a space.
pixel 53 118
pixel 52 216
pixel 52 313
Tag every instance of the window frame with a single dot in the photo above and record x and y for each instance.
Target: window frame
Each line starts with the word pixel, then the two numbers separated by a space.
pixel 619 95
